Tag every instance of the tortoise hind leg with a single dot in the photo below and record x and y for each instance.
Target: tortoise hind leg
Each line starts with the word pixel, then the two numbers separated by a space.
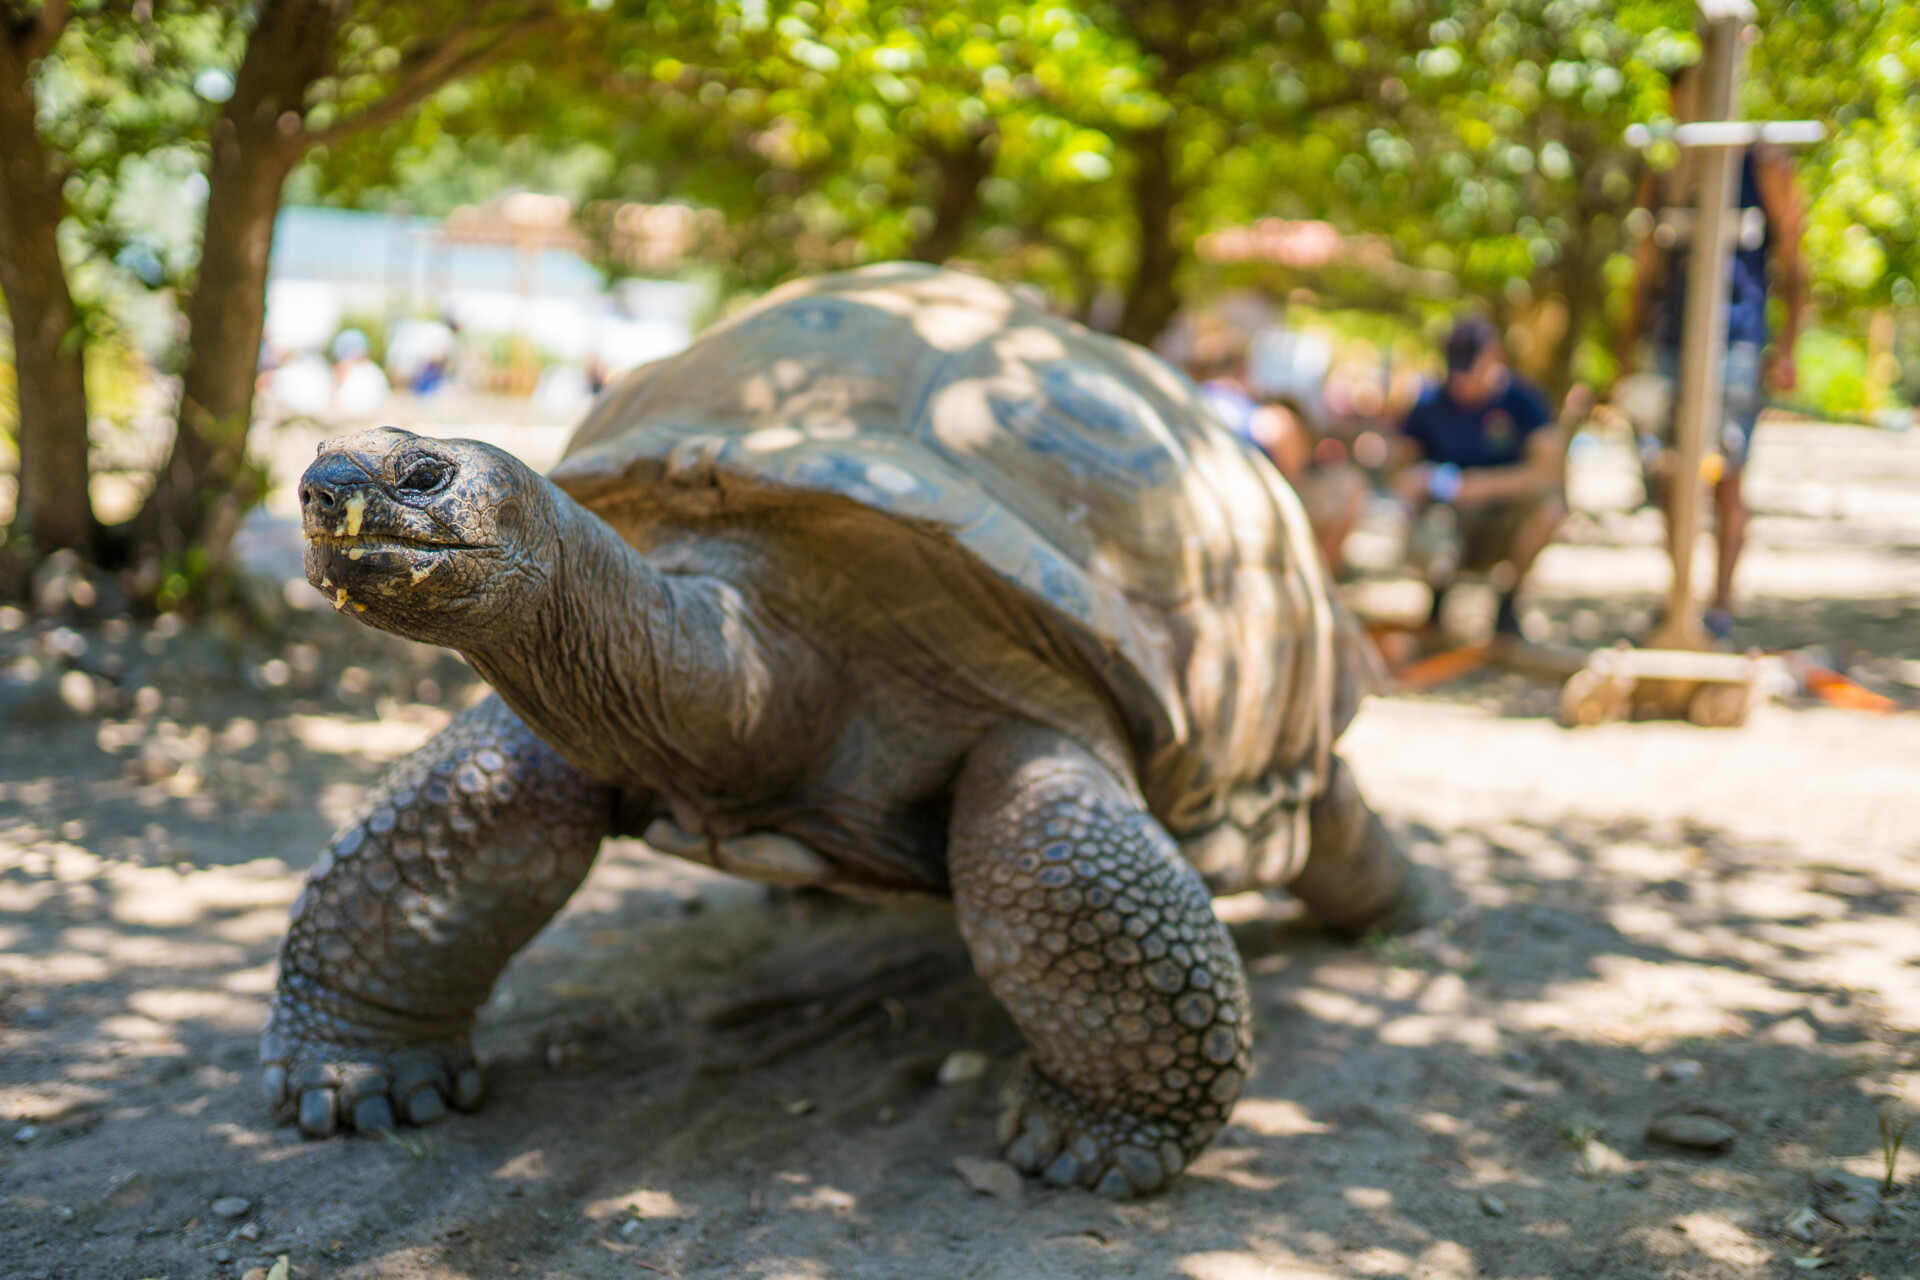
pixel 1101 942
pixel 1357 878
pixel 464 849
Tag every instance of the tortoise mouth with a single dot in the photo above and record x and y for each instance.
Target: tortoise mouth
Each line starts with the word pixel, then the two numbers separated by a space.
pixel 357 545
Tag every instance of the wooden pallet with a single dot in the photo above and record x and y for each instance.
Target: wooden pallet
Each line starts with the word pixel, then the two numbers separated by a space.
pixel 1715 690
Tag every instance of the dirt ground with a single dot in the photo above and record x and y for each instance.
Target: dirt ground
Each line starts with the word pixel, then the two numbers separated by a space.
pixel 693 1076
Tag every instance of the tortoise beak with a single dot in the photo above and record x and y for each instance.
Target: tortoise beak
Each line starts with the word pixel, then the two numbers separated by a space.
pixel 334 493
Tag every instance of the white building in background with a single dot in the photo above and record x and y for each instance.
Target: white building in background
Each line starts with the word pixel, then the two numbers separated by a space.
pixel 511 269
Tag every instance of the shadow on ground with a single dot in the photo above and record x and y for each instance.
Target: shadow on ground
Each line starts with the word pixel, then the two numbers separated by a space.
pixel 691 1076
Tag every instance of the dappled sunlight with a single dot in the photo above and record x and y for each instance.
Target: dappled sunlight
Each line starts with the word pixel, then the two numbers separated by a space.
pixel 1378 1261
pixel 528 1166
pixel 385 739
pixel 1242 1266
pixel 1397 1084
pixel 790 1269
pixel 1651 1003
pixel 640 1203
pixel 1275 1118
pixel 1710 1234
pixel 824 1199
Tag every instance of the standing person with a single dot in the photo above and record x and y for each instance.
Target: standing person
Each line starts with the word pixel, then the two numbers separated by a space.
pixel 1480 459
pixel 1766 252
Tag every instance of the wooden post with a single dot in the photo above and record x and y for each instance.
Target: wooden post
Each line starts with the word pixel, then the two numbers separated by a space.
pixel 1704 333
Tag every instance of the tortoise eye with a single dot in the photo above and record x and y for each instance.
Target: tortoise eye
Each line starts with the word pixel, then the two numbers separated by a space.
pixel 424 476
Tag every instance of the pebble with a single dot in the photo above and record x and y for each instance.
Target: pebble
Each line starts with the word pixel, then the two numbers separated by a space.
pixel 1685 1071
pixel 231 1207
pixel 1492 1205
pixel 247 1231
pixel 1847 1198
pixel 631 1228
pixel 26 1133
pixel 1696 1132
pixel 1802 1224
pixel 223 1254
pixel 962 1065
pixel 1598 1160
pixel 990 1177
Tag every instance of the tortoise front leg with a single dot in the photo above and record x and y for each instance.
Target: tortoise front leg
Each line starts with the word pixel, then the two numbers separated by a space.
pixel 463 851
pixel 1101 941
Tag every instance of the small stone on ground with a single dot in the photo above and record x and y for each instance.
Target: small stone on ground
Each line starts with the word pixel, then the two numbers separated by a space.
pixel 1697 1133
pixel 989 1177
pixel 231 1207
pixel 1848 1199
pixel 1598 1160
pixel 1803 1224
pixel 962 1065
pixel 1492 1205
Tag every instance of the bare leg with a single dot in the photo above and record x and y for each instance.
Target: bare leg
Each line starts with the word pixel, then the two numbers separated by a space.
pixel 464 850
pixel 1731 509
pixel 1356 878
pixel 1101 942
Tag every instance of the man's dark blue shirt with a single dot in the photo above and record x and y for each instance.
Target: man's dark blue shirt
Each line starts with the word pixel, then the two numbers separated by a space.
pixel 1493 435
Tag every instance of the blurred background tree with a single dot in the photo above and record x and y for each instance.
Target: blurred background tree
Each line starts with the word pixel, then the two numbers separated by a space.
pixel 1856 65
pixel 1087 148
pixel 93 94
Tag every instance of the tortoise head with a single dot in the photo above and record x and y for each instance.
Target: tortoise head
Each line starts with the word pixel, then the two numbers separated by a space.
pixel 443 541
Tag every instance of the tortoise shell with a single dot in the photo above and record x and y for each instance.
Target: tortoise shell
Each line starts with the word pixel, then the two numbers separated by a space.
pixel 1082 469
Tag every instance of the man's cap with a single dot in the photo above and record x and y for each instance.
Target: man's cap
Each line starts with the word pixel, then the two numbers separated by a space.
pixel 1471 335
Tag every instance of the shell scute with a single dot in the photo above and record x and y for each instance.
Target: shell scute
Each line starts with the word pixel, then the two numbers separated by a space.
pixel 1079 468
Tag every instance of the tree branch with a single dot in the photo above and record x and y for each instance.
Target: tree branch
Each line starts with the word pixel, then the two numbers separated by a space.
pixel 450 61
pixel 35 36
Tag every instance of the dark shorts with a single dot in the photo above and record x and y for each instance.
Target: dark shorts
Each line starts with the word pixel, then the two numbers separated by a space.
pixel 1447 538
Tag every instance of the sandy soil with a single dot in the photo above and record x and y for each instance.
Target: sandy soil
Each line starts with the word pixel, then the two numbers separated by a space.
pixel 692 1076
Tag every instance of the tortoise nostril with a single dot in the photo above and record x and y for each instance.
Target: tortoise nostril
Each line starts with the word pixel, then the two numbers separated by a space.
pixel 330 483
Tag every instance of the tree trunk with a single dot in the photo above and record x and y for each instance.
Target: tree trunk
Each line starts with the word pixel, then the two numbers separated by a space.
pixel 52 510
pixel 1583 287
pixel 226 318
pixel 958 174
pixel 255 144
pixel 1152 298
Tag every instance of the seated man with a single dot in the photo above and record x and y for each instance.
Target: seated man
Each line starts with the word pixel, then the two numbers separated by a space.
pixel 1481 459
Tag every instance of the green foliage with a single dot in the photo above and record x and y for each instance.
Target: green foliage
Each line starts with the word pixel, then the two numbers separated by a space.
pixel 1480 141
pixel 1894 1123
pixel 1832 372
pixel 1856 65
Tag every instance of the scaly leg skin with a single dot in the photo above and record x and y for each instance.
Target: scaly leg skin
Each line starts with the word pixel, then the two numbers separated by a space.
pixel 1101 941
pixel 1357 879
pixel 464 849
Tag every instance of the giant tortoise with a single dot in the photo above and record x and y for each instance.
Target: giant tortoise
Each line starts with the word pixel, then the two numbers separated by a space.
pixel 891 581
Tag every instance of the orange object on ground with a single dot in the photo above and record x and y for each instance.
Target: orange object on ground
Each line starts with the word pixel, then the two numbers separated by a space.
pixel 1837 690
pixel 1440 668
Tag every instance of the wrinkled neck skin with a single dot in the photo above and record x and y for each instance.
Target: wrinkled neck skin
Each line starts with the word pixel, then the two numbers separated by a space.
pixel 582 658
